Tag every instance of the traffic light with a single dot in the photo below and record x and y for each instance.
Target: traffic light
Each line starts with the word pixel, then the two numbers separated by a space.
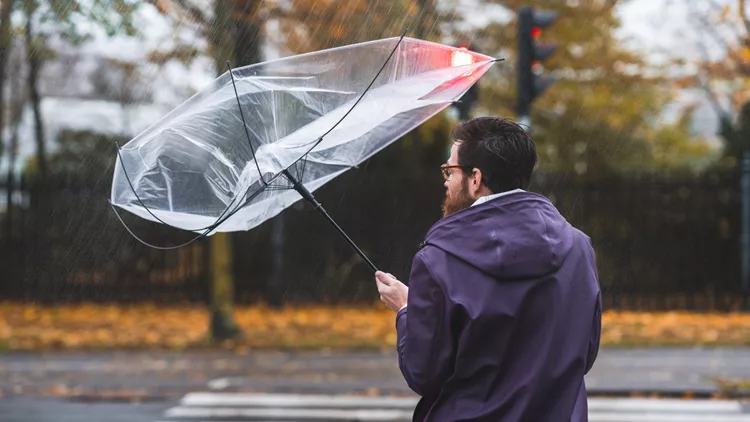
pixel 530 56
pixel 470 98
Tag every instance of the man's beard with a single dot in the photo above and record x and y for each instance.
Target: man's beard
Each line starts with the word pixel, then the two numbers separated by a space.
pixel 462 200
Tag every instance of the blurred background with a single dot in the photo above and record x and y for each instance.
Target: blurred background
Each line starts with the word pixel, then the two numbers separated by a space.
pixel 640 114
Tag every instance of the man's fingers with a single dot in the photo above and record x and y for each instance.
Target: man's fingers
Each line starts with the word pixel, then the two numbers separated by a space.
pixel 383 278
pixel 391 290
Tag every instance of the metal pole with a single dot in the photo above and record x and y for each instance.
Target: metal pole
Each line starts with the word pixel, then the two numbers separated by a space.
pixel 745 224
pixel 299 187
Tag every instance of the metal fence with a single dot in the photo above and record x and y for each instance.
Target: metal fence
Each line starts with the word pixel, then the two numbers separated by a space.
pixel 662 243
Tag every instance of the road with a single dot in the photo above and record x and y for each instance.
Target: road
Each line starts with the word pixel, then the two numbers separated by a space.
pixel 143 386
pixel 54 409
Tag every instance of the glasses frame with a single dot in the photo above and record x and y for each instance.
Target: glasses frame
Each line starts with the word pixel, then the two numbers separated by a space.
pixel 445 170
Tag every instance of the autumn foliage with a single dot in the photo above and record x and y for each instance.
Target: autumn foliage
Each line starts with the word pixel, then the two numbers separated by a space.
pixel 29 327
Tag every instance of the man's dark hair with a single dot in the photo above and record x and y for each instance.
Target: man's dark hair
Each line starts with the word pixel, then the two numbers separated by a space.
pixel 500 148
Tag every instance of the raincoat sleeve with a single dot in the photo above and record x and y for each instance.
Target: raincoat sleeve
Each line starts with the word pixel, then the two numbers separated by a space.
pixel 424 346
pixel 596 333
pixel 596 325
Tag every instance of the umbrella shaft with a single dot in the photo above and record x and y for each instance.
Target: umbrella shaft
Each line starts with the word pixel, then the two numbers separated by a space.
pixel 299 187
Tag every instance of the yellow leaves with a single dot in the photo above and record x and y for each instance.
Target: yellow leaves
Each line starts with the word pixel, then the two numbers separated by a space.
pixel 332 24
pixel 726 12
pixel 149 326
pixel 745 54
pixel 683 328
pixel 97 326
pixel 320 327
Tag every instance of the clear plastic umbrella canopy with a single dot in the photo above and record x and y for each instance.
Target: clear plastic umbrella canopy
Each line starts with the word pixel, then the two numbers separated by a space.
pixel 315 115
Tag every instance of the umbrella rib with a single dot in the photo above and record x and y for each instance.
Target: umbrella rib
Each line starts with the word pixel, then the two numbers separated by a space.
pixel 207 231
pixel 304 166
pixel 162 248
pixel 372 82
pixel 219 221
pixel 132 188
pixel 244 125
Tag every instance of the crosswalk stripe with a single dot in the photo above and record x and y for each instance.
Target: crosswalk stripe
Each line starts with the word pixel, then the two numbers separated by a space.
pixel 237 407
pixel 279 414
pixel 663 405
pixel 665 417
pixel 295 401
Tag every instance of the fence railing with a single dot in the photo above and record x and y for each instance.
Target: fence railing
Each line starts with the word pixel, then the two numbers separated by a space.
pixel 662 243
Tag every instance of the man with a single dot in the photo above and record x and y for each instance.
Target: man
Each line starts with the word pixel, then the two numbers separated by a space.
pixel 502 316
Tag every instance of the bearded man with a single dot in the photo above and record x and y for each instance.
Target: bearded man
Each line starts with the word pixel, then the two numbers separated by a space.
pixel 501 318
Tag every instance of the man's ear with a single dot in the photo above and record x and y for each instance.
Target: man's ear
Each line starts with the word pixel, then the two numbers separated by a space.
pixel 476 181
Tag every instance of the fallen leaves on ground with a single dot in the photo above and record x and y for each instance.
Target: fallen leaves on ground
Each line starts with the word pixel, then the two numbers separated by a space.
pixel 675 328
pixel 732 386
pixel 31 327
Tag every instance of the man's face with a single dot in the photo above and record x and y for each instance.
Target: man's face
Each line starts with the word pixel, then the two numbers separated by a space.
pixel 457 195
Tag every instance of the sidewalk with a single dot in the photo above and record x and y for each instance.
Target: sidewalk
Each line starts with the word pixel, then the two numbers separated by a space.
pixel 154 376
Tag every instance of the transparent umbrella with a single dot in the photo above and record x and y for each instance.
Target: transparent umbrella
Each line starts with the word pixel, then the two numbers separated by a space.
pixel 261 137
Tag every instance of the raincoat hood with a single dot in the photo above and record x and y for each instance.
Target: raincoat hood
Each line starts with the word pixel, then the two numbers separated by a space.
pixel 516 236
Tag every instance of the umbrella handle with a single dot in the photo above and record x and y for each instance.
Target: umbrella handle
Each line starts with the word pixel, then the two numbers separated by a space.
pixel 307 195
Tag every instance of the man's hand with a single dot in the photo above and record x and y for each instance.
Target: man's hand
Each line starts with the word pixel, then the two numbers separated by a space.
pixel 392 292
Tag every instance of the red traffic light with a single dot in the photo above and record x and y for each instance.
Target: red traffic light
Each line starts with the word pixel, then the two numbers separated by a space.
pixel 536 32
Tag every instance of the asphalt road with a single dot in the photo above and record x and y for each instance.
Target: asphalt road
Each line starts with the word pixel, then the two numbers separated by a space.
pixel 50 409
pixel 140 386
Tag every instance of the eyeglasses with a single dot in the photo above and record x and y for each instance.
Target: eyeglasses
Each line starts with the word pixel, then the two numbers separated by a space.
pixel 445 169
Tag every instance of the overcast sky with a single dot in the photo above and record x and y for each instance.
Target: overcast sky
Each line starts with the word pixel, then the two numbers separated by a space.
pixel 650 26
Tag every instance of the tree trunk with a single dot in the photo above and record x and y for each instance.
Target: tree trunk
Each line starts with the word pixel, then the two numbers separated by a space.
pixel 235 33
pixel 16 103
pixel 34 65
pixel 420 30
pixel 275 288
pixel 248 32
pixel 425 18
pixel 4 53
pixel 248 29
pixel 220 36
pixel 223 326
pixel 16 112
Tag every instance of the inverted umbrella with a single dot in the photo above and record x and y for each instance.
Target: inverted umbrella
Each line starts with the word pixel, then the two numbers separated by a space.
pixel 260 137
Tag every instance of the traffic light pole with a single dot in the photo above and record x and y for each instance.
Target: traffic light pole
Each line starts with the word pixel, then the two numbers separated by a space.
pixel 525 75
pixel 529 84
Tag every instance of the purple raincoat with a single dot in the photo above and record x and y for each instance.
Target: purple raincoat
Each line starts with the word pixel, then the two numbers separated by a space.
pixel 503 317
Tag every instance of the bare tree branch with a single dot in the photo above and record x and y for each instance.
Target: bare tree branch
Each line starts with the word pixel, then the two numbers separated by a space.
pixel 736 31
pixel 706 86
pixel 181 8
pixel 194 12
pixel 743 16
pixel 711 30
